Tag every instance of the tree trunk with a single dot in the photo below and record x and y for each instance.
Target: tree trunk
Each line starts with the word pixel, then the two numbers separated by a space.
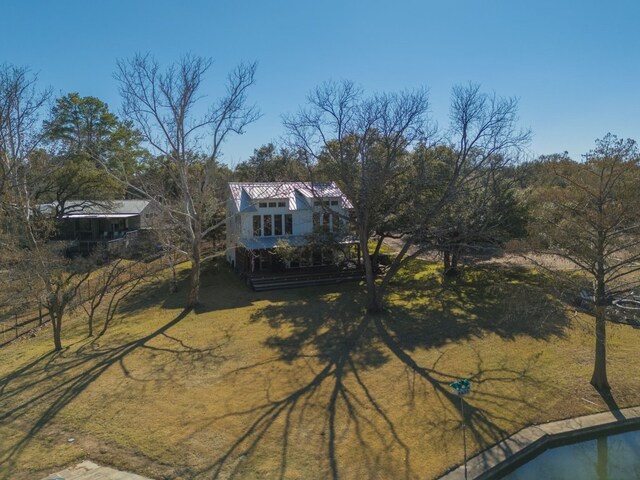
pixel 451 263
pixel 375 300
pixel 173 283
pixel 446 260
pixel 90 321
pixel 56 325
pixel 194 275
pixel 454 260
pixel 374 295
pixel 599 378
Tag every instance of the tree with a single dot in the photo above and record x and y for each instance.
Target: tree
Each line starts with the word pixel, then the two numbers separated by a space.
pixel 82 133
pixel 34 266
pixel 21 107
pixel 36 270
pixel 485 214
pixel 164 106
pixel 592 218
pixel 268 164
pixel 85 126
pixel 375 147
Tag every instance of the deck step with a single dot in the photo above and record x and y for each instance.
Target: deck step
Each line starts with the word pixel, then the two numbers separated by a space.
pixel 278 282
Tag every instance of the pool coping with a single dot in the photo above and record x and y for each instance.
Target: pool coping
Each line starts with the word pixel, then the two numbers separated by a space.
pixel 525 442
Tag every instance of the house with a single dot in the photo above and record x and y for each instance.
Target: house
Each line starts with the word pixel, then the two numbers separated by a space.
pixel 88 223
pixel 311 217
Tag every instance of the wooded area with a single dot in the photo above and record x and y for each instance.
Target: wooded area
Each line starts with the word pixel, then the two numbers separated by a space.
pixel 458 191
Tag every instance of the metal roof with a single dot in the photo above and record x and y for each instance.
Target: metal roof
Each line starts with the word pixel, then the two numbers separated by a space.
pixel 104 208
pixel 298 194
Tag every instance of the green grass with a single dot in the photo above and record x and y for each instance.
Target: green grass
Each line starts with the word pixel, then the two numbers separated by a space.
pixel 301 383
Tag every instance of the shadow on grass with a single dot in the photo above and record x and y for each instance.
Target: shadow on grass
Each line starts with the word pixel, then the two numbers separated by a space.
pixel 325 334
pixel 343 343
pixel 220 289
pixel 58 378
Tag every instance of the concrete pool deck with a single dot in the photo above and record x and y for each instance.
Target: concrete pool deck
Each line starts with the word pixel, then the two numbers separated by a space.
pixel 500 457
pixel 90 471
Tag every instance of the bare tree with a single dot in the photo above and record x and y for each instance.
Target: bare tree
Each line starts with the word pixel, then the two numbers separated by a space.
pixel 41 273
pixel 21 105
pixel 592 218
pixel 164 106
pixel 375 148
pixel 33 267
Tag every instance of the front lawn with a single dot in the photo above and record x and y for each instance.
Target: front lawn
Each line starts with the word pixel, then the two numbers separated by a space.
pixel 301 384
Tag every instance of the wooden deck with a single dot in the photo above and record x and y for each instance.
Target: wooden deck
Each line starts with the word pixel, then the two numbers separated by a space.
pixel 305 278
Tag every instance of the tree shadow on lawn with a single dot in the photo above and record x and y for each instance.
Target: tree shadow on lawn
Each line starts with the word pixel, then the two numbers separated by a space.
pixel 52 381
pixel 345 345
pixel 507 301
pixel 221 289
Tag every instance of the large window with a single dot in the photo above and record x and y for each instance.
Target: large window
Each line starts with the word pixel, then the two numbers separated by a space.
pixel 267 224
pixel 277 225
pixel 288 224
pixel 257 225
pixel 272 225
pixel 326 222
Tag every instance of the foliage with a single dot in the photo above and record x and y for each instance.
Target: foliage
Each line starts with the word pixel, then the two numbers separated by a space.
pixel 592 218
pixel 85 137
pixel 269 164
pixel 400 182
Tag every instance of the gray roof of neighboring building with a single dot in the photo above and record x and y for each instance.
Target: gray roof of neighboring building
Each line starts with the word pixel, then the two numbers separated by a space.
pixel 104 208
pixel 246 194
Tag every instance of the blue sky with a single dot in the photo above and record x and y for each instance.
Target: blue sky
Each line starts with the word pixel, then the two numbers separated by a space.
pixel 574 65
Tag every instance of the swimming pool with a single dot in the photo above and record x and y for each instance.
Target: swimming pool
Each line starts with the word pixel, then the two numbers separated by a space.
pixel 613 456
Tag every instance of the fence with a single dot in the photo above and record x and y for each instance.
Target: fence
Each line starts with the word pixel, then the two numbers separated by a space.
pixel 15 324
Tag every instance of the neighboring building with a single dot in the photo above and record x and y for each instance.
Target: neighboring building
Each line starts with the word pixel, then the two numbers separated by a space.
pixel 261 214
pixel 88 223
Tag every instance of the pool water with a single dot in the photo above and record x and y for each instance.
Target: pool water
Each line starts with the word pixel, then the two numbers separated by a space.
pixel 611 457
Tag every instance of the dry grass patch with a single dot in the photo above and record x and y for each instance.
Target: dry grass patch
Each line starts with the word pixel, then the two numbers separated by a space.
pixel 301 384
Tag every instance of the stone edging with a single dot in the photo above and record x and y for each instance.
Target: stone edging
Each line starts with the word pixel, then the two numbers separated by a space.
pixel 525 442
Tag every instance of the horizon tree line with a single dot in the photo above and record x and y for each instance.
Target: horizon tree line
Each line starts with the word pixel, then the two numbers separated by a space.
pixel 427 189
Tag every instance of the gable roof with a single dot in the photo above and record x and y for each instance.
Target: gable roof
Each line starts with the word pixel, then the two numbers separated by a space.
pixel 300 195
pixel 104 208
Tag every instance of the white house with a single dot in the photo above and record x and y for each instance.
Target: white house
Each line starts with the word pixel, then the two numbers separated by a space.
pixel 261 214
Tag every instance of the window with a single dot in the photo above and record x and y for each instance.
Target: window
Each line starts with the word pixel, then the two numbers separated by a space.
pixel 262 204
pixel 335 203
pixel 277 224
pixel 326 222
pixel 317 203
pixel 267 223
pixel 335 219
pixel 288 224
pixel 282 204
pixel 316 221
pixel 272 204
